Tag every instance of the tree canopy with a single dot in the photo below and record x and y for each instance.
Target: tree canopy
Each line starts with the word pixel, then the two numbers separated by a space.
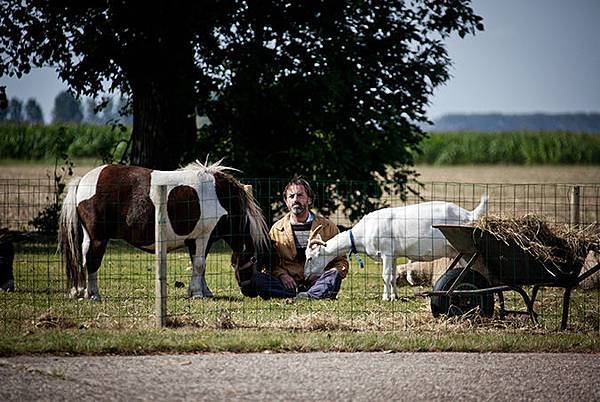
pixel 33 112
pixel 329 89
pixel 15 112
pixel 66 109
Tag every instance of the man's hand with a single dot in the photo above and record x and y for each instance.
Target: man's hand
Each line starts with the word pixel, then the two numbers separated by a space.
pixel 288 281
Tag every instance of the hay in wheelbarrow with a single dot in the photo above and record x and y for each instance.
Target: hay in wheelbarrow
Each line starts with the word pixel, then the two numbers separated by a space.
pixel 558 245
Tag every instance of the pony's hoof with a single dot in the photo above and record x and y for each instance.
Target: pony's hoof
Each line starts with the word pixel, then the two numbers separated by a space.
pixel 76 293
pixel 8 286
pixel 200 296
pixel 95 297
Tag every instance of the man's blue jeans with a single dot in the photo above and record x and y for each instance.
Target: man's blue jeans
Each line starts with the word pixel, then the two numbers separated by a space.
pixel 326 286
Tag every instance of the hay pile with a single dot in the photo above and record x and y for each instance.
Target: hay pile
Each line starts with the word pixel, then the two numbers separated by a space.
pixel 559 245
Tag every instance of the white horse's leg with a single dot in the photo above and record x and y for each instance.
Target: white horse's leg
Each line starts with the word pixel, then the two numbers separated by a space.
pixel 198 286
pixel 195 290
pixel 389 278
pixel 92 292
pixel 205 288
pixel 79 291
pixel 93 260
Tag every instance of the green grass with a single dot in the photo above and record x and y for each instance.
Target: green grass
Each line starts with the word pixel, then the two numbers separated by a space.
pixel 191 340
pixel 39 318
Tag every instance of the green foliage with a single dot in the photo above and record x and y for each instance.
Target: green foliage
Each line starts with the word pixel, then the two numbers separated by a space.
pixel 518 148
pixel 35 142
pixel 47 219
pixel 335 95
pixel 271 76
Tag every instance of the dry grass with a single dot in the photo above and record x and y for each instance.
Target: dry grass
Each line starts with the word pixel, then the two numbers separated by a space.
pixel 514 190
pixel 456 174
pixel 559 245
pixel 500 174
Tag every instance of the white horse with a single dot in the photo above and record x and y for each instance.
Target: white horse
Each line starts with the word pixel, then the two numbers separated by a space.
pixel 204 203
pixel 389 233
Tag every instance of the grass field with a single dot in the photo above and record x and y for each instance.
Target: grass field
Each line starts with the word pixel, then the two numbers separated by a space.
pixel 126 280
pixel 38 317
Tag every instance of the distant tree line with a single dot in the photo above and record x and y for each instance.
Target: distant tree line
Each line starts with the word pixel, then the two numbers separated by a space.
pixel 496 122
pixel 68 109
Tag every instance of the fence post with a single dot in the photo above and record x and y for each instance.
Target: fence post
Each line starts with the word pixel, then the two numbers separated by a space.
pixel 161 257
pixel 574 200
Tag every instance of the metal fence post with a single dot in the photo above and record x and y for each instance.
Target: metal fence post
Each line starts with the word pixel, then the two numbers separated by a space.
pixel 574 200
pixel 161 257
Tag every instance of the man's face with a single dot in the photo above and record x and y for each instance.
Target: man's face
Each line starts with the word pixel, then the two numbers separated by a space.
pixel 297 200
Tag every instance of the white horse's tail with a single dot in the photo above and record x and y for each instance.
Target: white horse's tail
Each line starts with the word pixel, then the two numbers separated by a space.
pixel 481 208
pixel 70 236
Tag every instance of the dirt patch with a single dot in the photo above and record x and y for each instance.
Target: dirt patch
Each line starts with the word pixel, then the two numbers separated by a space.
pixel 499 174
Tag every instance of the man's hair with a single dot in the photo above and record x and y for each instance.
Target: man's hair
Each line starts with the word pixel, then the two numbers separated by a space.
pixel 300 181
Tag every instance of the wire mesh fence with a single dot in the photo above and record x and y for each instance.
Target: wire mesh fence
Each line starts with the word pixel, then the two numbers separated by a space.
pixel 127 276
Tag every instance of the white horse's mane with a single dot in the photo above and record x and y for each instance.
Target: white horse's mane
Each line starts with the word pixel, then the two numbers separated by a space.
pixel 259 229
pixel 208 167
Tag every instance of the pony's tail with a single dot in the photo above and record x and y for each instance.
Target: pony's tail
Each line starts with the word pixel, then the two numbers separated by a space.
pixel 481 208
pixel 70 236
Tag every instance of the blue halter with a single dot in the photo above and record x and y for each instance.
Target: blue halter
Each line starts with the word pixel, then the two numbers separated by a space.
pixel 353 250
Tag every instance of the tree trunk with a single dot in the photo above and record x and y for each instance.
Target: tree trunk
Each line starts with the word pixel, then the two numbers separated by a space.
pixel 162 76
pixel 164 129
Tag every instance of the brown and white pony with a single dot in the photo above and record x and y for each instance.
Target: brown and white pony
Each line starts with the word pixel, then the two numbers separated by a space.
pixel 204 203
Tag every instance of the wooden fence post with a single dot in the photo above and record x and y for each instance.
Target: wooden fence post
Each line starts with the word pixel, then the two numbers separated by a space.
pixel 574 200
pixel 161 257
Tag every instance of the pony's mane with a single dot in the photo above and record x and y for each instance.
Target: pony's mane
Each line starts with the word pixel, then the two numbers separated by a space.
pixel 207 167
pixel 259 230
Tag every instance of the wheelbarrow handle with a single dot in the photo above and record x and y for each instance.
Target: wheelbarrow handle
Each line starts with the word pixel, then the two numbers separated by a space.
pixel 588 273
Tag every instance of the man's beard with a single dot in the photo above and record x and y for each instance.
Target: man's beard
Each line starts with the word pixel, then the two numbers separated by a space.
pixel 298 209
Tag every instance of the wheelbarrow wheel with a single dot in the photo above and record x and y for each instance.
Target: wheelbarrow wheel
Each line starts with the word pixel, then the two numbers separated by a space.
pixel 462 304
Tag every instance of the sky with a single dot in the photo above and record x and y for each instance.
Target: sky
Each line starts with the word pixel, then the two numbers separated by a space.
pixel 535 56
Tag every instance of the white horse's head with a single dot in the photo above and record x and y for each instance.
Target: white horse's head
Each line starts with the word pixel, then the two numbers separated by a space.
pixel 316 256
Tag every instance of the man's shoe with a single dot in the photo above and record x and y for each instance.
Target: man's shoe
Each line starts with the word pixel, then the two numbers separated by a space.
pixel 303 296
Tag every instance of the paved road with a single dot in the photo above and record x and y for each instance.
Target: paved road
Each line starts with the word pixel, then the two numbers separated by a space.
pixel 310 376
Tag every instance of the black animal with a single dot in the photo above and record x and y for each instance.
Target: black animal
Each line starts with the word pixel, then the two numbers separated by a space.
pixel 7 256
